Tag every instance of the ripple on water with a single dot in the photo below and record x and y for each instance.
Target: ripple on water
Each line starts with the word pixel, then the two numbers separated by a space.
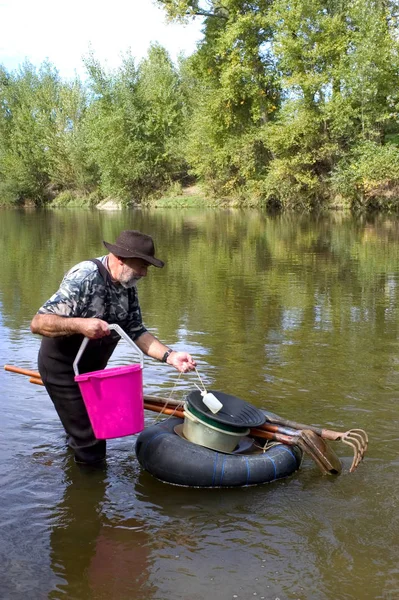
pixel 296 315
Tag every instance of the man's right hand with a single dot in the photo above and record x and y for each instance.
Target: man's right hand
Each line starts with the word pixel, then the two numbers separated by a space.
pixel 56 326
pixel 94 328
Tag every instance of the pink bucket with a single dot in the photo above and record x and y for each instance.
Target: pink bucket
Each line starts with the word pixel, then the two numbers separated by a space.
pixel 114 400
pixel 113 397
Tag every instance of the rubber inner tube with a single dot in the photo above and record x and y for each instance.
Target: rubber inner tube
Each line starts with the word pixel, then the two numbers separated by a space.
pixel 172 459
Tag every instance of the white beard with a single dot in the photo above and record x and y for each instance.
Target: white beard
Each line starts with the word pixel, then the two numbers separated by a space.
pixel 130 283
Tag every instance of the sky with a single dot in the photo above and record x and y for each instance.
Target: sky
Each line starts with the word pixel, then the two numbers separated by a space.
pixel 64 32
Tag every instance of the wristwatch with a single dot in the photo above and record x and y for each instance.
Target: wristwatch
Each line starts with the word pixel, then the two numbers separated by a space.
pixel 166 355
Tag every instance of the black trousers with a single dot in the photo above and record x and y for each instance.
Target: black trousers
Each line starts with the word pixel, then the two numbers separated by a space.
pixel 72 412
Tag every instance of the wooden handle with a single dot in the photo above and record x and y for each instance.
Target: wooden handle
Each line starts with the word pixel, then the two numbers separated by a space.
pixel 36 380
pixel 165 406
pixel 28 372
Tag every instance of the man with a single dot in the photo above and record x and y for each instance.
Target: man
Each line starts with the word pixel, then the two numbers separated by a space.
pixel 92 295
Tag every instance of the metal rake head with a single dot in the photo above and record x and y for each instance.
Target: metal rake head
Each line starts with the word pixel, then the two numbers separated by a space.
pixel 358 439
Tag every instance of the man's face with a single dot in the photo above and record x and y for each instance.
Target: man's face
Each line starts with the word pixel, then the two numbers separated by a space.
pixel 132 270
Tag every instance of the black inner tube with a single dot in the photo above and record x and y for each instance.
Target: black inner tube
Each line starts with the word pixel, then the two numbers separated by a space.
pixel 172 459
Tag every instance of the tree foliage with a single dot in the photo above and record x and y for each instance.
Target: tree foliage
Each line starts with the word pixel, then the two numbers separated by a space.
pixel 119 133
pixel 291 88
pixel 134 123
pixel 290 103
pixel 42 143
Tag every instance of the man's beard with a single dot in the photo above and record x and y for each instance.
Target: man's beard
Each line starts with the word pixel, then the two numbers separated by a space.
pixel 132 282
pixel 127 280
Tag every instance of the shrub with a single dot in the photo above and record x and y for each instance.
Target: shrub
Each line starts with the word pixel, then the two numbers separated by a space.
pixel 369 176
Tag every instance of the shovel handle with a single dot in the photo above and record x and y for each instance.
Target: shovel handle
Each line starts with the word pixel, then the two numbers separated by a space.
pixel 120 332
pixel 326 434
pixel 276 420
pixel 22 371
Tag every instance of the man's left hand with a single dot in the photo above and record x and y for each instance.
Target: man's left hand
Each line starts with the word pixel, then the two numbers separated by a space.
pixel 182 361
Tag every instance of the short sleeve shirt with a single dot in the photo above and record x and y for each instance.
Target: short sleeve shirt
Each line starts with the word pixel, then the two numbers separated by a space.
pixel 84 293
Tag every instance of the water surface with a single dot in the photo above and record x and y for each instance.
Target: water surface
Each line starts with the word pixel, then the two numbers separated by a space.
pixel 298 315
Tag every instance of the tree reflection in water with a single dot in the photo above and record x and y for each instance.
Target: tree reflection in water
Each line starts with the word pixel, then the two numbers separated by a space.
pixel 95 557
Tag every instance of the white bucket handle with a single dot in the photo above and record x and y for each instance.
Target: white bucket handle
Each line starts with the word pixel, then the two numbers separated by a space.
pixel 123 335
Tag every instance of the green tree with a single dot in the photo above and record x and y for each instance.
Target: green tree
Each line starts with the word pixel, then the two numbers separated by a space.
pixel 70 165
pixel 26 120
pixel 235 89
pixel 135 120
pixel 288 89
pixel 339 69
pixel 42 141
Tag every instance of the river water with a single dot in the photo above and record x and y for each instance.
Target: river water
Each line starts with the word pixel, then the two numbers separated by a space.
pixel 295 314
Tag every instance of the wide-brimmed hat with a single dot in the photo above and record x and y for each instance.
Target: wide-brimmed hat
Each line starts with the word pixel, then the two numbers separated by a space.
pixel 134 244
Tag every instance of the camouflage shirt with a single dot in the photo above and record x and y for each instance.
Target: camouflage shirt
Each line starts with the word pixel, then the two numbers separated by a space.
pixel 84 293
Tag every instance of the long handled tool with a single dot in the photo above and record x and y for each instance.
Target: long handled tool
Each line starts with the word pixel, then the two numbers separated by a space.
pixel 310 443
pixel 356 438
pixel 309 439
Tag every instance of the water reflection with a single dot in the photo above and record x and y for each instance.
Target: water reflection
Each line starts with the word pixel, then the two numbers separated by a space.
pixel 91 555
pixel 298 315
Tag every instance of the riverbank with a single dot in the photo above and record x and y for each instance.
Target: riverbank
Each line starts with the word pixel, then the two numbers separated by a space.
pixel 195 196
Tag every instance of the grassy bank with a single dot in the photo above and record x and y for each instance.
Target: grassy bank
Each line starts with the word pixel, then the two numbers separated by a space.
pixel 385 201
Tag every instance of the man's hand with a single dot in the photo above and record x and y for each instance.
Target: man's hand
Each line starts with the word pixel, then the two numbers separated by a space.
pixel 182 361
pixel 56 326
pixel 94 328
pixel 150 345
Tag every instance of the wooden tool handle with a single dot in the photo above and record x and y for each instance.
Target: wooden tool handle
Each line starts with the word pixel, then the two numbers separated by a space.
pixel 28 372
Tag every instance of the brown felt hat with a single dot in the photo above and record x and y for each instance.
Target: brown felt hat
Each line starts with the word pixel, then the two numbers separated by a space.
pixel 134 244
